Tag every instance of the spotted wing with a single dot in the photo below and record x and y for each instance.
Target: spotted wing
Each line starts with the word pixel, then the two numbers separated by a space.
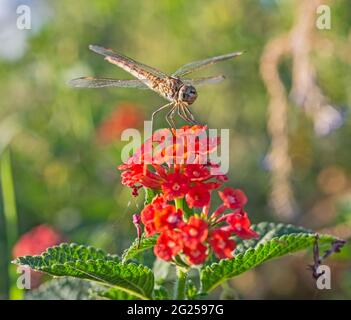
pixel 203 81
pixel 135 68
pixel 89 82
pixel 196 65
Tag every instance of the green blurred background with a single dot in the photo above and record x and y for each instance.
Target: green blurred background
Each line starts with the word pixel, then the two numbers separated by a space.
pixel 59 146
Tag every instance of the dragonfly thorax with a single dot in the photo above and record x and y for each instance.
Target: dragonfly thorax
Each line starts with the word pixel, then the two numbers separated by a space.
pixel 187 94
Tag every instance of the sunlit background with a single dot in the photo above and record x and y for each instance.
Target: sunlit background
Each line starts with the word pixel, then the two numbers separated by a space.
pixel 286 101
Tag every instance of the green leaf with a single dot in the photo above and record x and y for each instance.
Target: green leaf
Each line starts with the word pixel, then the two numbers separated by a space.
pixel 93 264
pixel 114 294
pixel 191 290
pixel 149 195
pixel 138 247
pixel 268 231
pixel 161 293
pixel 275 240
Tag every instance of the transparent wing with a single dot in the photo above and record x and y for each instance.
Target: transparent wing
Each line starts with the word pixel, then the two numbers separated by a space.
pixel 196 65
pixel 203 81
pixel 89 82
pixel 136 68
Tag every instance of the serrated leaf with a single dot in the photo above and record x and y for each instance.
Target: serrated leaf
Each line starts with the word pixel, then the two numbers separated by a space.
pixel 138 247
pixel 268 231
pixel 161 293
pixel 114 294
pixel 275 241
pixel 93 264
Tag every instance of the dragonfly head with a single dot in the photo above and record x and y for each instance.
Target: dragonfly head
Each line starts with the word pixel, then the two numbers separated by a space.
pixel 187 94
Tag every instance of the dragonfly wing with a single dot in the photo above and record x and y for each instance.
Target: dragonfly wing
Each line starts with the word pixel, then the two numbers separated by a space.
pixel 137 69
pixel 89 82
pixel 196 65
pixel 203 81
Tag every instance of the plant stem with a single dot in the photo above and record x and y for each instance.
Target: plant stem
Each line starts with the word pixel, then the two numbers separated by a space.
pixel 179 203
pixel 179 292
pixel 9 200
pixel 8 222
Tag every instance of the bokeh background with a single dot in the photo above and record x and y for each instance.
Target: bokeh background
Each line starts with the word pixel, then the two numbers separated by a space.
pixel 286 102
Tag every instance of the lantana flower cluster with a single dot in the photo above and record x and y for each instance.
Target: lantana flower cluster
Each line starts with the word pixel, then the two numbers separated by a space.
pixel 184 180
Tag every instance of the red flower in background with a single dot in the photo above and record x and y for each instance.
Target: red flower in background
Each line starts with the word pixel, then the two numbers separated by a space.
pixel 34 242
pixel 126 115
pixel 37 240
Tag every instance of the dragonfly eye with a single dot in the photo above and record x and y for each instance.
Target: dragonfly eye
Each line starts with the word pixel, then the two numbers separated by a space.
pixel 188 94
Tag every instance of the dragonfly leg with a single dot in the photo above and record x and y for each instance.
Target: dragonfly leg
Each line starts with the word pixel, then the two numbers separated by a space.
pixel 170 116
pixel 157 111
pixel 190 115
pixel 181 114
pixel 184 115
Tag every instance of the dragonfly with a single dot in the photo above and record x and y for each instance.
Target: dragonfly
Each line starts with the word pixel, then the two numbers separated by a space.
pixel 180 92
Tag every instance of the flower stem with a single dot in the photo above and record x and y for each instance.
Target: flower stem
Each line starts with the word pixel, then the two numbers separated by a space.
pixel 179 203
pixel 179 292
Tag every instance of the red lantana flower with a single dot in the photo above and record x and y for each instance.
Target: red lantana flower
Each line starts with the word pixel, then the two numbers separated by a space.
pixel 233 198
pixel 221 244
pixel 198 196
pixel 147 215
pixel 168 218
pixel 175 186
pixel 197 172
pixel 171 161
pixel 170 164
pixel 194 232
pixel 240 225
pixel 168 245
pixel 196 255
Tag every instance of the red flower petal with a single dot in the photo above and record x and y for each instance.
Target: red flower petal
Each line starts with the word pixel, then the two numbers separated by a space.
pixel 240 225
pixel 194 232
pixel 198 196
pixel 168 245
pixel 221 244
pixel 175 186
pixel 196 255
pixel 233 198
